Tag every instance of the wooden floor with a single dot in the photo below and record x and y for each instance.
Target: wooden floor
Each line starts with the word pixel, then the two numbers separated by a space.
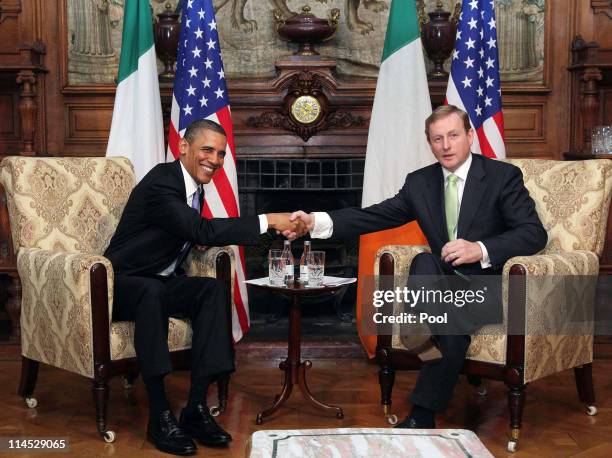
pixel 554 423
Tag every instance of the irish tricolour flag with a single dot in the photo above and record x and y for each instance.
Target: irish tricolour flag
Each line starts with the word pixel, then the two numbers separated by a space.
pixel 396 142
pixel 137 129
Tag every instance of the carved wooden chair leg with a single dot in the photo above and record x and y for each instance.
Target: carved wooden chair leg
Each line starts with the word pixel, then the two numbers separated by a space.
pixel 516 402
pixel 386 379
pixel 584 385
pixel 29 373
pixel 222 394
pixel 100 395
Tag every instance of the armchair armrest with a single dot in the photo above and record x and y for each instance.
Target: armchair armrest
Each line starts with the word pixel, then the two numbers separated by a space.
pixel 57 307
pixel 402 257
pixel 557 314
pixel 213 263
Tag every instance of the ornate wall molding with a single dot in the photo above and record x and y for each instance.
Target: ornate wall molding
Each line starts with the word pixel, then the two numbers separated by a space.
pixel 602 6
pixel 306 120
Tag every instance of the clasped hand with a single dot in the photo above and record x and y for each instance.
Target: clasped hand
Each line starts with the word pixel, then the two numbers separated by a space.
pixel 291 225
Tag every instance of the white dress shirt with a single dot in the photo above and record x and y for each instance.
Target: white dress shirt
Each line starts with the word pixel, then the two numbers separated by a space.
pixel 324 225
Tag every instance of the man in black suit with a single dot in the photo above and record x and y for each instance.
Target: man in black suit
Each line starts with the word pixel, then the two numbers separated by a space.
pixel 476 214
pixel 161 222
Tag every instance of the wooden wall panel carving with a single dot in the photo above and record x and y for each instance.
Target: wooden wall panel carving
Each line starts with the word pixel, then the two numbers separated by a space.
pixel 524 121
pixel 602 6
pixel 88 123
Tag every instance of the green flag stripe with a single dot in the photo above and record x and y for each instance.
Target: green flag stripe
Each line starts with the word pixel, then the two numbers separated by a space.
pixel 403 26
pixel 137 36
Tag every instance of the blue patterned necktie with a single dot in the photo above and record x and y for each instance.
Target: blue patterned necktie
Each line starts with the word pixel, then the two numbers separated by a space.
pixel 196 204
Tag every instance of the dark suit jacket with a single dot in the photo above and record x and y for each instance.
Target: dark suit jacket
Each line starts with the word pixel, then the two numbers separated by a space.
pixel 157 221
pixel 496 209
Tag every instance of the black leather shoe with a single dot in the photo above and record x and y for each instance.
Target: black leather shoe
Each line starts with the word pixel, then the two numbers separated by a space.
pixel 412 423
pixel 200 425
pixel 165 433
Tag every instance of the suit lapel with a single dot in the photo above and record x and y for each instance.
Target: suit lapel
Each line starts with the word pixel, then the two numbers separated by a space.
pixel 435 202
pixel 473 191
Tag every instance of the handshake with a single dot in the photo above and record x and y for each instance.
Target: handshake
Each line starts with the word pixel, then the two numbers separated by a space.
pixel 291 225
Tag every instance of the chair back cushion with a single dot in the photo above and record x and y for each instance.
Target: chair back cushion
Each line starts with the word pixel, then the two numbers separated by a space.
pixel 66 203
pixel 572 199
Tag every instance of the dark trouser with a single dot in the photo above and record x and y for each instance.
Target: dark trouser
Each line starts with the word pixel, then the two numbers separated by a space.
pixel 437 380
pixel 150 301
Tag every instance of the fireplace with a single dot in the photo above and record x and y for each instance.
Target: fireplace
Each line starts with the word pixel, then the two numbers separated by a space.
pixel 269 185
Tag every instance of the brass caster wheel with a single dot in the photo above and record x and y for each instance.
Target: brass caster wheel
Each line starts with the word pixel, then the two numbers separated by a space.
pixel 259 419
pixel 109 437
pixel 392 419
pixel 31 402
pixel 340 415
pixel 481 390
pixel 512 445
pixel 215 411
pixel 591 410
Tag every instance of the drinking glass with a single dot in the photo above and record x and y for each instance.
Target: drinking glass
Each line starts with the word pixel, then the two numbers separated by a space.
pixel 316 268
pixel 276 268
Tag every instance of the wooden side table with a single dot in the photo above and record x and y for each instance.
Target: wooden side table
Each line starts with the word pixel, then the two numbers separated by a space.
pixel 293 366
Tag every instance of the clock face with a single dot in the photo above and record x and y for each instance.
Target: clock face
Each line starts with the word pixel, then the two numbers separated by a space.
pixel 306 109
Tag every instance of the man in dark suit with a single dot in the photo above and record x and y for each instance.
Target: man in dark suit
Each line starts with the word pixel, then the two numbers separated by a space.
pixel 476 214
pixel 161 222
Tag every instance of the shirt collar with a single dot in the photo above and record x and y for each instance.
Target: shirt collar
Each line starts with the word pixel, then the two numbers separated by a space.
pixel 190 184
pixel 461 172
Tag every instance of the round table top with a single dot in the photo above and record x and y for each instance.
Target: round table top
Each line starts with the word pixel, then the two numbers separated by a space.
pixel 300 288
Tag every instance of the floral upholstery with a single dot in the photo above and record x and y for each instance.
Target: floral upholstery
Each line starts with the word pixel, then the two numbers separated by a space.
pixel 572 200
pixel 63 212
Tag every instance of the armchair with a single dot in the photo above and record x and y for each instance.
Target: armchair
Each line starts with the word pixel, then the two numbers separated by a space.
pixel 63 212
pixel 572 200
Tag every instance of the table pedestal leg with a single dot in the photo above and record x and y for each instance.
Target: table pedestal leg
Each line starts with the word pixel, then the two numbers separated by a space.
pixel 295 369
pixel 281 398
pixel 308 395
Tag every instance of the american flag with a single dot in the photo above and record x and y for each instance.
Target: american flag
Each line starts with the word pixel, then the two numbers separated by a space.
pixel 474 84
pixel 200 92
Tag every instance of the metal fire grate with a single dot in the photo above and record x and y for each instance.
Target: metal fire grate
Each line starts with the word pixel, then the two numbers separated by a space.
pixel 300 174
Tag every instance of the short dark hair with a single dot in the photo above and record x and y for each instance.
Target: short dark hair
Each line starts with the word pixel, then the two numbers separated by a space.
pixel 442 112
pixel 195 127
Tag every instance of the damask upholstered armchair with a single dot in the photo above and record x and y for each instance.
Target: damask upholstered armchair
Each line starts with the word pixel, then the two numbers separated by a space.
pixel 63 212
pixel 572 200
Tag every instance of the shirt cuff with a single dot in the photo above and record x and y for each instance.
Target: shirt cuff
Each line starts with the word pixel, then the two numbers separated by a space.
pixel 485 262
pixel 263 224
pixel 323 226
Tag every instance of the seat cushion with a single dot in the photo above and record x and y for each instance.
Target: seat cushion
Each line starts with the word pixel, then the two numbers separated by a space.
pixel 122 337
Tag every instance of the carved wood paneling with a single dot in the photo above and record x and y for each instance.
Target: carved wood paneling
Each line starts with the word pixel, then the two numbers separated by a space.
pixel 602 6
pixel 9 25
pixel 88 123
pixel 524 122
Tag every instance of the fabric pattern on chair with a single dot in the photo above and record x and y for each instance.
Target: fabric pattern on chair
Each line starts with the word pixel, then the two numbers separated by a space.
pixel 555 342
pixel 56 317
pixel 67 204
pixel 572 200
